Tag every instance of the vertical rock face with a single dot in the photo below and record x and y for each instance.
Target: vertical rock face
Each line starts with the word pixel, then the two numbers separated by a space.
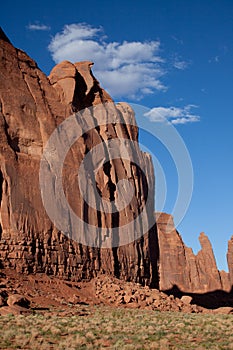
pixel 230 259
pixel 180 267
pixel 31 108
pixel 209 276
pixel 173 264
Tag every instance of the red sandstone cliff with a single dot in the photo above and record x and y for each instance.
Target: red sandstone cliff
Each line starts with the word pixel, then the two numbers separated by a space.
pixel 230 259
pixel 31 107
pixel 179 266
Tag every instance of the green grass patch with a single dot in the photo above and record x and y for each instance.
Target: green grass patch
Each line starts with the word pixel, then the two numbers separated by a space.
pixel 111 328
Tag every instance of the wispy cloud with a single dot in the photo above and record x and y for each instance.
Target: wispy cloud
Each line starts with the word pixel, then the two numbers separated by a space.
pixel 215 59
pixel 130 69
pixel 174 115
pixel 38 26
pixel 177 40
pixel 182 65
pixel 179 63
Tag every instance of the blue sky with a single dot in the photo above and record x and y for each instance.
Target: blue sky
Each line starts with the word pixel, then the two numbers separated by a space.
pixel 173 56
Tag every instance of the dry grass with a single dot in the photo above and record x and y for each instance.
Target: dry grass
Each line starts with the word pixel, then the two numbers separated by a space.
pixel 117 328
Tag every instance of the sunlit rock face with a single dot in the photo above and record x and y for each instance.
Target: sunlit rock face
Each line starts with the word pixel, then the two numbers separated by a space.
pixel 230 259
pixel 32 106
pixel 180 267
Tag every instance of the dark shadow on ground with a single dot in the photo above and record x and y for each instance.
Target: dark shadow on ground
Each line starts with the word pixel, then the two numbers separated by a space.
pixel 210 300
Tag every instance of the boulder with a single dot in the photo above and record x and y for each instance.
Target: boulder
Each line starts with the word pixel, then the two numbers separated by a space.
pixel 17 299
pixel 14 310
pixel 186 299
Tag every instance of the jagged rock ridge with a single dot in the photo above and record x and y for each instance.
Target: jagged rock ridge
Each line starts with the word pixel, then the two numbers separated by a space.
pixel 180 267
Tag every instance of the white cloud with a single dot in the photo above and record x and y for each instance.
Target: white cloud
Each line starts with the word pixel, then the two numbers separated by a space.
pixel 38 26
pixel 175 115
pixel 182 65
pixel 130 69
pixel 179 63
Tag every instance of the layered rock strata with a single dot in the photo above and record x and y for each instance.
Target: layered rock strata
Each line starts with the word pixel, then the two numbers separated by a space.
pixel 32 106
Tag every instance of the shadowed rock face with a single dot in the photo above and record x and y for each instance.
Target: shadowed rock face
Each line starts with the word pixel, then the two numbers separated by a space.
pixel 76 85
pixel 31 107
pixel 3 36
pixel 180 267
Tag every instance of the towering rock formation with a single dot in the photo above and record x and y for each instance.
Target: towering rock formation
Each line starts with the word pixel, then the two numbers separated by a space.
pixel 230 259
pixel 31 108
pixel 180 267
